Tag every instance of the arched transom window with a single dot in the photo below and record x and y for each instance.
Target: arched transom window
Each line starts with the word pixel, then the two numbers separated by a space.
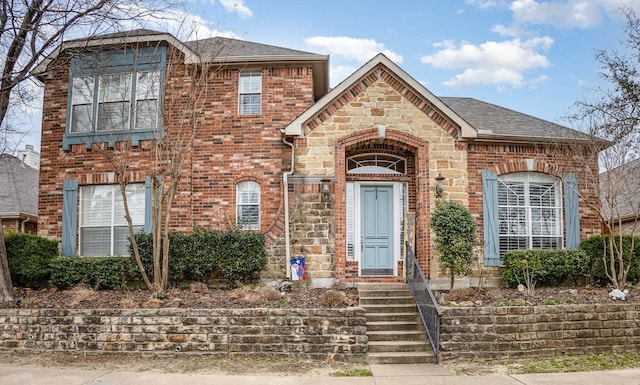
pixel 376 164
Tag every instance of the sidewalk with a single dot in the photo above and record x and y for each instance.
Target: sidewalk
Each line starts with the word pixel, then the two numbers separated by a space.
pixel 382 375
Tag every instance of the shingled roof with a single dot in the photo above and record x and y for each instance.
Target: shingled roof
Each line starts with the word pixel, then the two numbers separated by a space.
pixel 18 187
pixel 494 122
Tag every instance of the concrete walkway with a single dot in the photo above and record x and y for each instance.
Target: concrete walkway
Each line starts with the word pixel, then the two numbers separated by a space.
pixel 382 375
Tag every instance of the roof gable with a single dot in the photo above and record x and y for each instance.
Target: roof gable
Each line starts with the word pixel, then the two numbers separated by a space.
pixel 381 67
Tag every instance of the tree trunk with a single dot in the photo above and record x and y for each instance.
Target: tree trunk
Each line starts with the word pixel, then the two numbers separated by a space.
pixel 6 287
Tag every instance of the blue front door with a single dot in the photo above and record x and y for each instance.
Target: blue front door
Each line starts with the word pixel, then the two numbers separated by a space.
pixel 376 208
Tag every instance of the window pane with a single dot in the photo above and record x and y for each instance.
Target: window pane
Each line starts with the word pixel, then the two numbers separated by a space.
pixel 148 85
pixel 146 114
pixel 95 241
pixel 81 118
pixel 82 92
pixel 113 116
pixel 249 104
pixel 249 217
pixel 135 201
pixel 121 241
pixel 512 243
pixel 250 83
pixel 115 87
pixel 95 206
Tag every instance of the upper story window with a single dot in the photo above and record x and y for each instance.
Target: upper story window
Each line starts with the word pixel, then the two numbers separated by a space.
pixel 248 205
pixel 112 92
pixel 250 93
pixel 529 211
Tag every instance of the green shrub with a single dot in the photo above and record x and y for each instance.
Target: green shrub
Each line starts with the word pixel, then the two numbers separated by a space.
pixel 546 267
pixel 235 254
pixel 28 257
pixel 596 248
pixel 111 273
pixel 455 236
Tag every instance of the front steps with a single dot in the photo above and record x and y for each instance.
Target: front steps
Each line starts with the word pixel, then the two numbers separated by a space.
pixel 396 334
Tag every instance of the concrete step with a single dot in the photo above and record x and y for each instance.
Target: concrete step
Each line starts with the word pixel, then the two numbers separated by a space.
pixel 386 293
pixel 391 299
pixel 397 335
pixel 398 346
pixel 395 326
pixel 401 358
pixel 382 286
pixel 391 308
pixel 391 317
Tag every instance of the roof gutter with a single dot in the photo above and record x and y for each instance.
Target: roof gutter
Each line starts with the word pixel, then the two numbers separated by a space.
pixel 285 186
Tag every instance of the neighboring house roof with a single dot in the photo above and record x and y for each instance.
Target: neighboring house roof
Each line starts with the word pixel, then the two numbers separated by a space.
pixel 216 50
pixel 295 128
pixel 18 188
pixel 495 122
pixel 620 191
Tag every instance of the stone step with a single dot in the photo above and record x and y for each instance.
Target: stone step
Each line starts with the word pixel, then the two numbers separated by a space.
pixel 401 358
pixel 391 299
pixel 385 293
pixel 381 286
pixel 391 308
pixel 381 326
pixel 398 346
pixel 397 335
pixel 391 317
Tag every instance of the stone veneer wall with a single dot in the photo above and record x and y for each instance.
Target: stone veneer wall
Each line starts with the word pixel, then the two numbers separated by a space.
pixel 294 333
pixel 538 331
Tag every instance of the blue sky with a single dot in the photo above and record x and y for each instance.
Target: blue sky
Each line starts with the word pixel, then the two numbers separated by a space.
pixel 533 56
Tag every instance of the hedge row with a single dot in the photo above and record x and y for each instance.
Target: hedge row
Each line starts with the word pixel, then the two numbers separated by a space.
pixel 235 256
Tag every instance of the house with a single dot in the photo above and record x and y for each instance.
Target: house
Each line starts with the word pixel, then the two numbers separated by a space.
pixel 19 192
pixel 619 188
pixel 326 174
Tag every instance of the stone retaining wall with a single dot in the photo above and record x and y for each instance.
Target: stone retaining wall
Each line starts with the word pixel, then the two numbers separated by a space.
pixel 537 331
pixel 295 333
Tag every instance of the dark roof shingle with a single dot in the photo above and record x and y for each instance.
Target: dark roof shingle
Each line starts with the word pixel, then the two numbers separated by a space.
pixel 18 186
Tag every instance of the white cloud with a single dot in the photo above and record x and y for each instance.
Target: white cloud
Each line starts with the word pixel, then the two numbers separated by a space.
pixel 337 73
pixel 491 63
pixel 570 14
pixel 359 50
pixel 237 6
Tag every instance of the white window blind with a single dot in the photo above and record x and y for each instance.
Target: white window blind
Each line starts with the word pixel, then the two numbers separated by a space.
pixel 250 93
pixel 103 228
pixel 248 205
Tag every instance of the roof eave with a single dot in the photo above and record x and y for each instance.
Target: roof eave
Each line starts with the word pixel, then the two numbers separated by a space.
pixel 602 144
pixel 190 55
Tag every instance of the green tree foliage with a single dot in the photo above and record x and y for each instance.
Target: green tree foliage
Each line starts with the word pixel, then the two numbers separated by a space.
pixel 597 249
pixel 29 256
pixel 547 267
pixel 455 236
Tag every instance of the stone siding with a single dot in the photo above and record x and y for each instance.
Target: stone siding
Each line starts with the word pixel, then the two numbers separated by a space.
pixel 538 331
pixel 293 333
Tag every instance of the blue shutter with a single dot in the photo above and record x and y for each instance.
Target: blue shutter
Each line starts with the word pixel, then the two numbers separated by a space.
pixel 69 216
pixel 490 218
pixel 571 211
pixel 148 225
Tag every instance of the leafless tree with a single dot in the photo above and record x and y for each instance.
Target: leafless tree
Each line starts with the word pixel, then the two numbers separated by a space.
pixel 30 30
pixel 613 117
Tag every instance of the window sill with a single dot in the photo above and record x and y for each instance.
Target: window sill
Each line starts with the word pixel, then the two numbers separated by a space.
pixel 89 138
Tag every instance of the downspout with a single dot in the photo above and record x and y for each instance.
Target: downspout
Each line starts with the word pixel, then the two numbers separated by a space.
pixel 285 184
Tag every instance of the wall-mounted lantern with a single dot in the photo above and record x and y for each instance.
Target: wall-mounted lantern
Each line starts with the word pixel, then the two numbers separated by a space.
pixel 325 186
pixel 439 180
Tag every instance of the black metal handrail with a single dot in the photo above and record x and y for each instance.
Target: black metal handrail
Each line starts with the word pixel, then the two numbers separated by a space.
pixel 425 300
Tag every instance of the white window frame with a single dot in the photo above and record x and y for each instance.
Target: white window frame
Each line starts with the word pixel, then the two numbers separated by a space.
pixel 248 195
pixel 250 93
pixel 113 215
pixel 521 230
